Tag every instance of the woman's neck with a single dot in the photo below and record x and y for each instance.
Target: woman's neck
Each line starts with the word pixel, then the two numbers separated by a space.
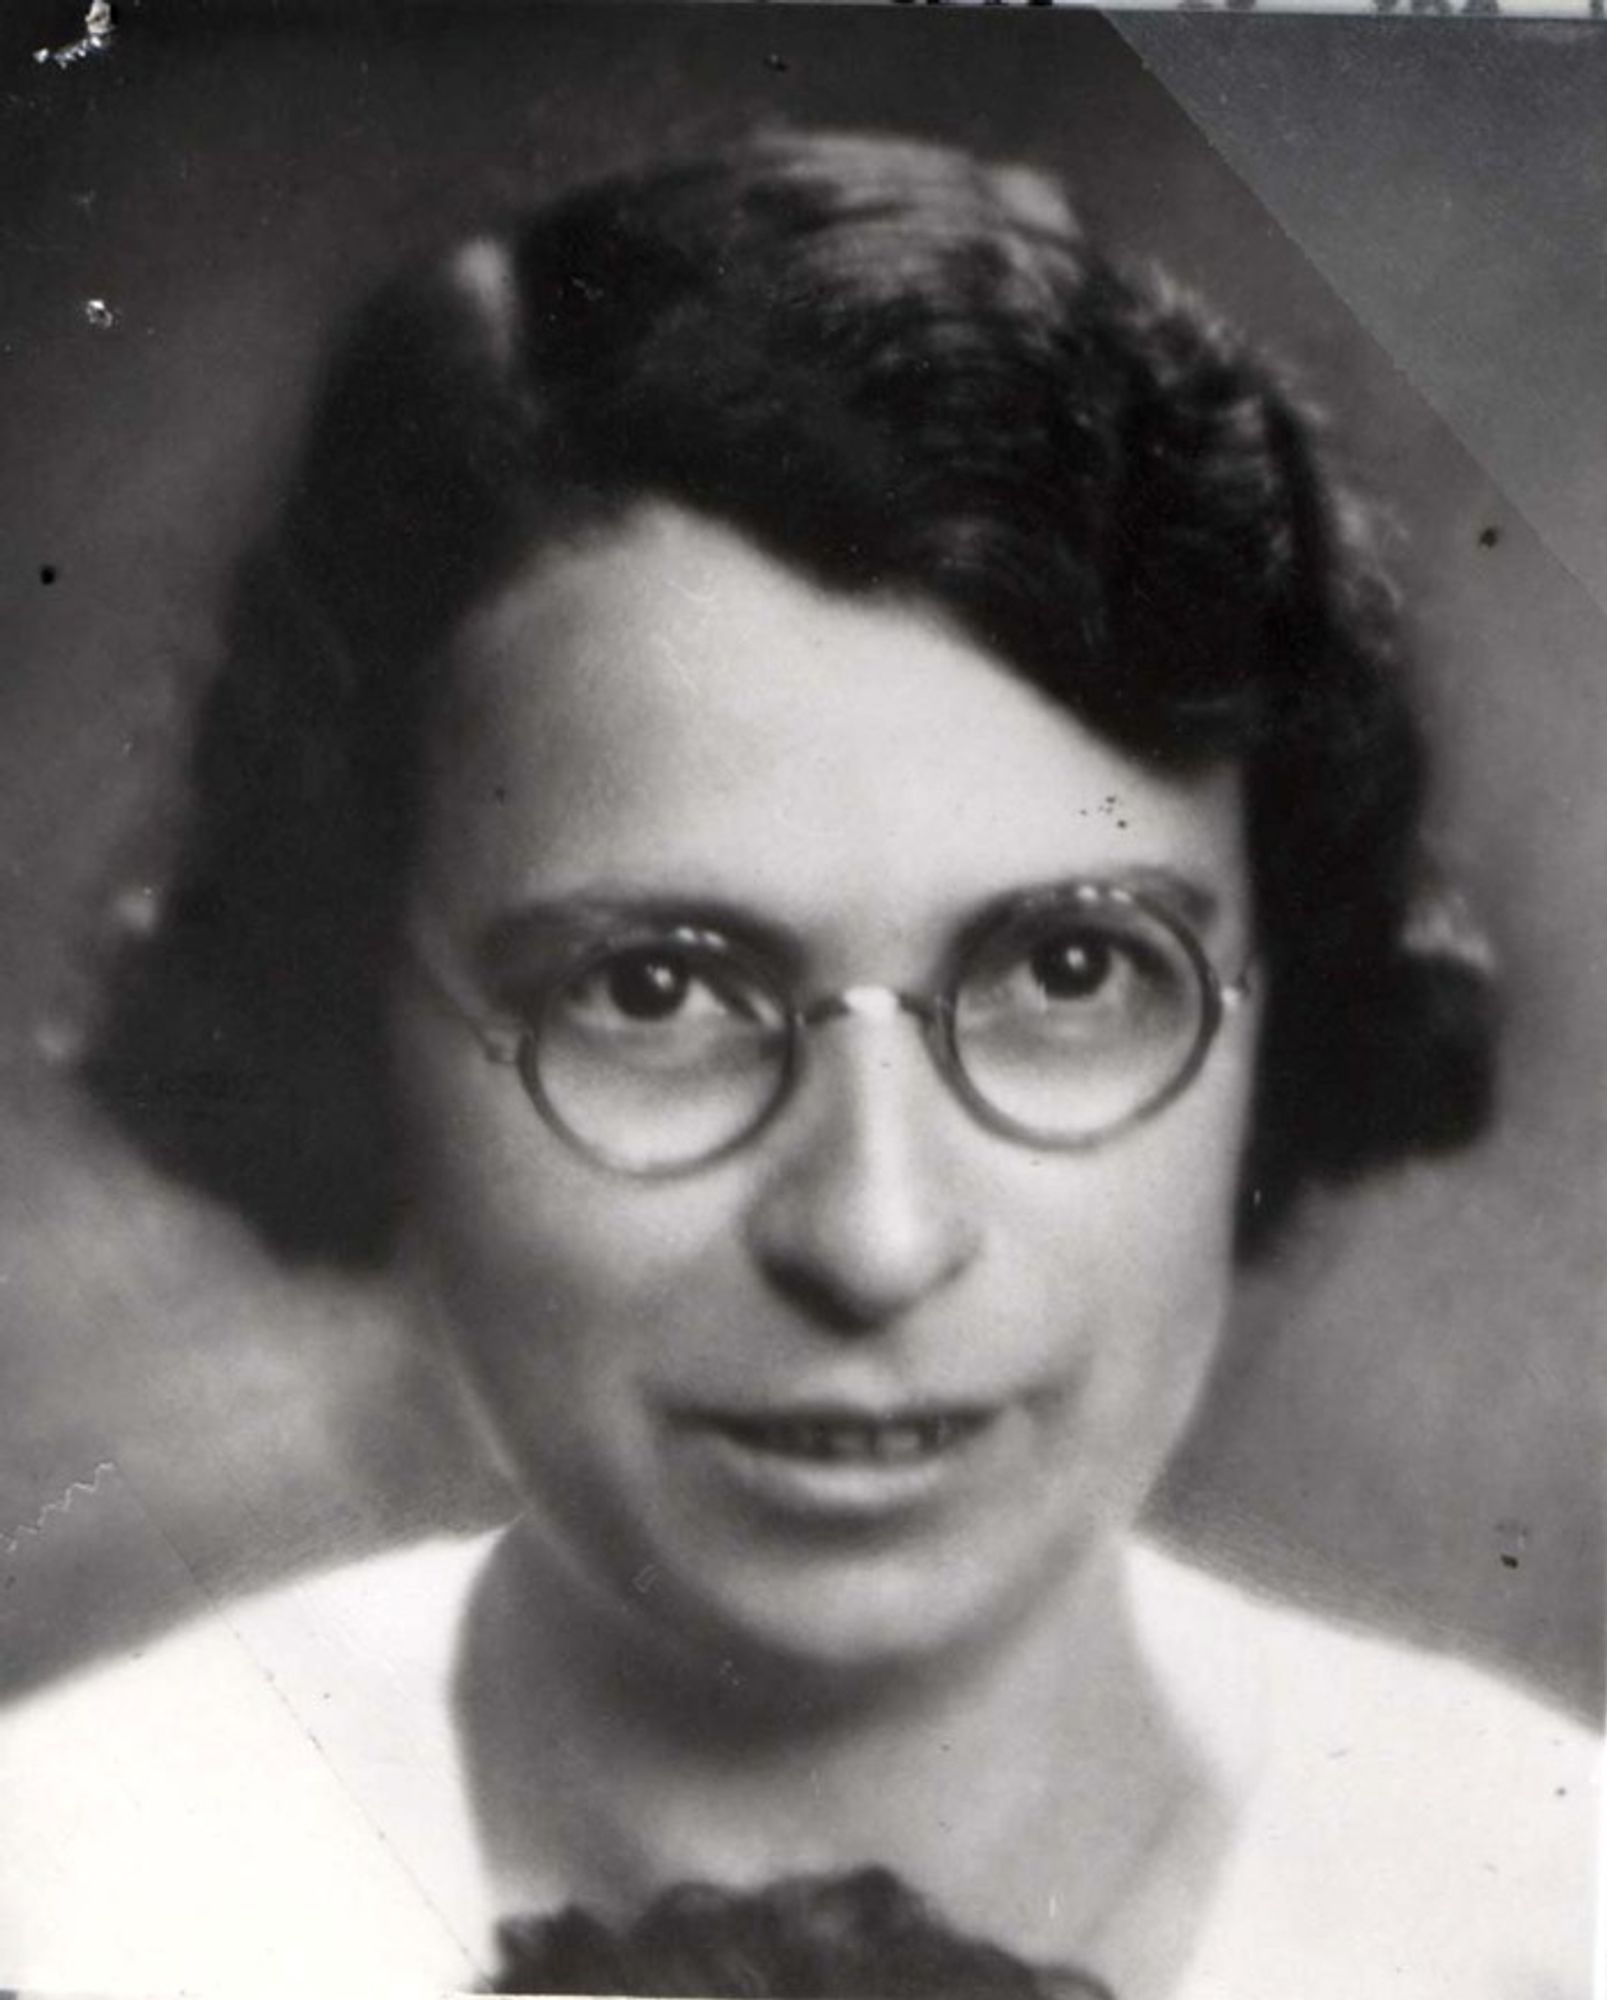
pixel 1029 1787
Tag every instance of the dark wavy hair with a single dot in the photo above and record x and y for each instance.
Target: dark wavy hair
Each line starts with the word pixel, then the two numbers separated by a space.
pixel 901 371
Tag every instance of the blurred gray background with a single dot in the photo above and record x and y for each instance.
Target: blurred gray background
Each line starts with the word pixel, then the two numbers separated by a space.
pixel 1415 213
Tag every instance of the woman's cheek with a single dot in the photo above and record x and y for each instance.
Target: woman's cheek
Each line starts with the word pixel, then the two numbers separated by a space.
pixel 1166 1244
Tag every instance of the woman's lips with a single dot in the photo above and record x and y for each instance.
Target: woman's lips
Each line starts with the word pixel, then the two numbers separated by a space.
pixel 841 1439
pixel 841 1465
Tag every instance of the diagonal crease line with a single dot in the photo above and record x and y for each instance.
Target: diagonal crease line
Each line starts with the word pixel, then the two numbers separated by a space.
pixel 216 1609
pixel 1338 290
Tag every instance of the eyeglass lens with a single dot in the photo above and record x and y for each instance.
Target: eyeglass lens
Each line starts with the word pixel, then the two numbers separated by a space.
pixel 1063 1023
pixel 661 1052
pixel 1069 1022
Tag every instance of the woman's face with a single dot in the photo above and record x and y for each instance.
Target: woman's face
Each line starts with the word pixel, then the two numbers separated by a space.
pixel 721 1390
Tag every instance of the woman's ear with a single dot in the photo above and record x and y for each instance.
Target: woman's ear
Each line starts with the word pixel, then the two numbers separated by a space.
pixel 1410 1068
pixel 1435 1090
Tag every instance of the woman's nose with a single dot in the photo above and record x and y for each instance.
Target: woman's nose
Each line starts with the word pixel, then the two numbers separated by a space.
pixel 860 1218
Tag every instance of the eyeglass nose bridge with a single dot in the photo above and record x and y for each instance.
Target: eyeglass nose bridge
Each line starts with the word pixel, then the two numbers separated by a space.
pixel 868 1003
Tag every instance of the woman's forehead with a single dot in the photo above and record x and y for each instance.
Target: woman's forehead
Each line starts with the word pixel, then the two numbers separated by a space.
pixel 666 706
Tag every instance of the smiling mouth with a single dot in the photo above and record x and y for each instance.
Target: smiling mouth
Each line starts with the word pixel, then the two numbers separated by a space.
pixel 832 1439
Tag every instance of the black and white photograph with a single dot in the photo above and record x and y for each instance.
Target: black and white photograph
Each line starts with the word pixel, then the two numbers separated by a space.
pixel 804 1023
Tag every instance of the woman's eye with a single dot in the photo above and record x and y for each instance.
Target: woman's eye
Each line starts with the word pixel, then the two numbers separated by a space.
pixel 647 986
pixel 663 986
pixel 1080 978
pixel 1073 968
pixel 1071 972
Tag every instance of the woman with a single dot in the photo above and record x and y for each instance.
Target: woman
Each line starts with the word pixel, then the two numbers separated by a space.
pixel 811 825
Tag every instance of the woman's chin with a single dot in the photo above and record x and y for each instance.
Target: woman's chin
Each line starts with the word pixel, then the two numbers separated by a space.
pixel 830 1574
pixel 843 1626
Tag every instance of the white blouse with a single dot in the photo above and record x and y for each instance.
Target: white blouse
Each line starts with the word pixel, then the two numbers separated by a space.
pixel 268 1801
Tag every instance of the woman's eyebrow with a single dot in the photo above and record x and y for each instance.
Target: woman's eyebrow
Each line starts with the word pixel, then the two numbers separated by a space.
pixel 1186 896
pixel 592 915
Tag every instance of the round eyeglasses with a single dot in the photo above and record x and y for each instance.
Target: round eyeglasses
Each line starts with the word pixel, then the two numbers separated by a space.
pixel 1067 1018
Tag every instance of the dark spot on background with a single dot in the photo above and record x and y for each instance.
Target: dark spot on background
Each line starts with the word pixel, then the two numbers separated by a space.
pixel 1513 1542
pixel 778 63
pixel 1488 537
pixel 47 572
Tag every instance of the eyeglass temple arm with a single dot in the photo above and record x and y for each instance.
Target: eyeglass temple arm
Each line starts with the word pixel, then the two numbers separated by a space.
pixel 500 1045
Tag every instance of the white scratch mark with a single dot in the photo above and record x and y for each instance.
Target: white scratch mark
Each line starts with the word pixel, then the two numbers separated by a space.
pixel 99 28
pixel 32 1530
pixel 671 655
pixel 702 598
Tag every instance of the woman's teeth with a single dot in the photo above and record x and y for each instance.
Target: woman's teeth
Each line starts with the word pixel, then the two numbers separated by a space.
pixel 852 1439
